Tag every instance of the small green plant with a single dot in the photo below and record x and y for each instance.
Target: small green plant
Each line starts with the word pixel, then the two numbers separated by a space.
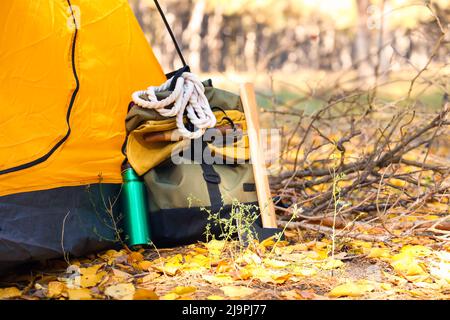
pixel 104 211
pixel 236 227
pixel 278 236
pixel 107 214
pixel 239 223
pixel 338 205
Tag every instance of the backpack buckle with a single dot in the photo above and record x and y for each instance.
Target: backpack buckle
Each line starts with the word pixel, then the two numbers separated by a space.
pixel 211 177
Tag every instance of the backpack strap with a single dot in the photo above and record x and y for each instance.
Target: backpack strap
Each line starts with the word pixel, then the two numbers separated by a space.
pixel 212 180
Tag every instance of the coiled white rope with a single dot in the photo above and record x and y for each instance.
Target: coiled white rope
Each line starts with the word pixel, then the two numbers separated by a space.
pixel 189 95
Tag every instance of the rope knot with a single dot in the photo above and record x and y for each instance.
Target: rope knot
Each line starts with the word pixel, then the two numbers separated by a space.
pixel 189 96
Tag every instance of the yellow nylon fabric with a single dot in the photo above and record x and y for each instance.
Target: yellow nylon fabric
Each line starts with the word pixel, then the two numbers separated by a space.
pixel 112 59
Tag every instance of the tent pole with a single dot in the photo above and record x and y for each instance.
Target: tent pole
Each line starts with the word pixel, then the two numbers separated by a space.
pixel 172 36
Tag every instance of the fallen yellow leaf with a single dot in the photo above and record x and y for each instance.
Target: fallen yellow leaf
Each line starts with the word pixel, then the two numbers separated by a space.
pixel 305 272
pixel 168 269
pixel 297 257
pixel 218 279
pixel 332 264
pixel 361 246
pixel 269 275
pixel 280 278
pixel 79 294
pixel 200 250
pixel 135 257
pixel 386 286
pixel 379 253
pixel 144 294
pixel 90 280
pixel 176 259
pixel 406 265
pixel 282 251
pixel 441 207
pixel 237 291
pixel 91 270
pixel 244 274
pixel 299 247
pixel 223 266
pixel 415 251
pixel 215 247
pixel 290 295
pixel 398 182
pixel 275 263
pixel 351 289
pixel 111 255
pixel 170 296
pixel 171 266
pixel 149 278
pixel 121 291
pixel 249 257
pixel 398 281
pixel 9 293
pixel 184 290
pixel 198 261
pixel 121 274
pixel 269 242
pixel 215 297
pixel 55 289
pixel 144 265
pixel 441 271
pixel 318 254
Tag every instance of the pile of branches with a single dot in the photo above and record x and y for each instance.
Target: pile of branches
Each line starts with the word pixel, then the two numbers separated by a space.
pixel 322 179
pixel 360 158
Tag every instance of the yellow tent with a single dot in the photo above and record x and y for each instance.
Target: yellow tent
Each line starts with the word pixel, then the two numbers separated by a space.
pixel 67 70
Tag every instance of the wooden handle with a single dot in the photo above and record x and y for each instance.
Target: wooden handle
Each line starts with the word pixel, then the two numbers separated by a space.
pixel 171 135
pixel 266 206
pixel 163 136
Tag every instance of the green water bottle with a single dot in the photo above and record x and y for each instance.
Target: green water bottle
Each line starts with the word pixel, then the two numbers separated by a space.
pixel 134 207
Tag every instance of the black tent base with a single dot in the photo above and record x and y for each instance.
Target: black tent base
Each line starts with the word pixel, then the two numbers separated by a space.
pixel 42 225
pixel 75 221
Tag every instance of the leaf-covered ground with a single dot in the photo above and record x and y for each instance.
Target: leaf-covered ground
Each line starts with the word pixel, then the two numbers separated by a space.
pixel 300 268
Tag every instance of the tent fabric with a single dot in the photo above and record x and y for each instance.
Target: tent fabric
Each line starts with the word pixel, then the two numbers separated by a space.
pixel 67 71
pixel 47 224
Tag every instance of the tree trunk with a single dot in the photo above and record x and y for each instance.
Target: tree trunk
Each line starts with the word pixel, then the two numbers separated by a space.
pixel 385 40
pixel 214 39
pixel 192 37
pixel 362 45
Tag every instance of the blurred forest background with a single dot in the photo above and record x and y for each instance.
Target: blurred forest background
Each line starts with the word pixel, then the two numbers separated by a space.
pixel 358 91
pixel 293 35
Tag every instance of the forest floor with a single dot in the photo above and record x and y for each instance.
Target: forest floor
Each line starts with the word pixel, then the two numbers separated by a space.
pixel 300 268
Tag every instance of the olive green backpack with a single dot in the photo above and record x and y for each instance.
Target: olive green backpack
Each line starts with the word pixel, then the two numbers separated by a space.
pixel 194 201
